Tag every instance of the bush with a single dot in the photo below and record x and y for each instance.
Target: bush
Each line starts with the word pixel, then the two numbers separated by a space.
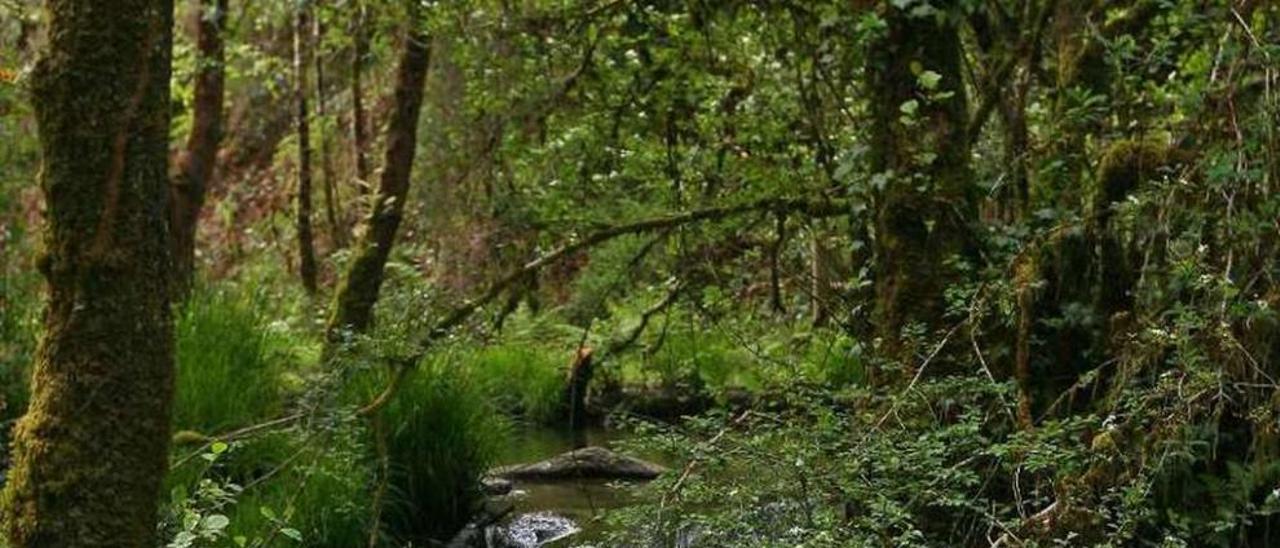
pixel 281 489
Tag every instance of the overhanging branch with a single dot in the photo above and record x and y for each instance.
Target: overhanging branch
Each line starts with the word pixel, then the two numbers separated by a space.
pixel 814 208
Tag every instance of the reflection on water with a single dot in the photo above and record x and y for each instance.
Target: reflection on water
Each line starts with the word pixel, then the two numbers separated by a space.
pixel 584 501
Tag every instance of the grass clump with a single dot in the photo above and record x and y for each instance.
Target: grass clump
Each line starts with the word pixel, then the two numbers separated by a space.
pixel 441 435
pixel 521 380
pixel 229 361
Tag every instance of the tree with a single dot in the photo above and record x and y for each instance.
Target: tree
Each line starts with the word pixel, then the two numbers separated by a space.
pixel 196 163
pixel 359 132
pixel 353 308
pixel 306 244
pixel 919 149
pixel 90 454
pixel 337 232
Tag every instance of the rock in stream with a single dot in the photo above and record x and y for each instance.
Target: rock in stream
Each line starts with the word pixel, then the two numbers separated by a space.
pixel 588 463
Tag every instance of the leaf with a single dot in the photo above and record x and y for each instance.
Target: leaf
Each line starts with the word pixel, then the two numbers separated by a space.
pixel 216 522
pixel 929 79
pixel 909 107
pixel 219 447
pixel 292 533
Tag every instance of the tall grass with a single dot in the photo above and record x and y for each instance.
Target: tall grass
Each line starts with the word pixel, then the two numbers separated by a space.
pixel 229 362
pixel 442 434
pixel 521 380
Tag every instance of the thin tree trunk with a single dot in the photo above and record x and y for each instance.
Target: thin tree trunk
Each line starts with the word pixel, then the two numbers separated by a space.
pixel 336 233
pixel 196 164
pixel 91 452
pixel 359 131
pixel 353 309
pixel 306 245
pixel 775 273
pixel 918 229
pixel 821 273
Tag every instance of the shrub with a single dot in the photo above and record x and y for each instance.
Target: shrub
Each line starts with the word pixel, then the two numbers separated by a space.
pixel 281 489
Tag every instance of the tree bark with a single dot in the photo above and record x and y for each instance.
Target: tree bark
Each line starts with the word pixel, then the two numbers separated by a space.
pixel 353 310
pixel 337 234
pixel 926 202
pixel 306 245
pixel 359 132
pixel 821 271
pixel 196 164
pixel 91 452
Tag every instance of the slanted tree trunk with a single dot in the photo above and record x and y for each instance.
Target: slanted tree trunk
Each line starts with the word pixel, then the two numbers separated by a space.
pixel 196 163
pixel 920 146
pixel 353 309
pixel 306 245
pixel 359 132
pixel 91 452
pixel 337 234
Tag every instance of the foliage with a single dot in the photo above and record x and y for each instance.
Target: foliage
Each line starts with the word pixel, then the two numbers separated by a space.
pixel 230 358
pixel 441 435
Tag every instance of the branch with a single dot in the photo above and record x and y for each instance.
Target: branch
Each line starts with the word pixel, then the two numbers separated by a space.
pixel 814 208
pixel 624 343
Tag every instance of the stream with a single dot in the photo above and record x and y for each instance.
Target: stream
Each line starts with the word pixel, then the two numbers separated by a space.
pixel 584 502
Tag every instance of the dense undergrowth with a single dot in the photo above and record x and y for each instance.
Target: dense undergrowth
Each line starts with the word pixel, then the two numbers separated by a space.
pixel 1089 357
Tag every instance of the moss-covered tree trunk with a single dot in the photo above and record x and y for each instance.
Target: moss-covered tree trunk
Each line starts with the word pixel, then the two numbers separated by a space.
pixel 353 309
pixel 196 164
pixel 919 149
pixel 91 452
pixel 306 243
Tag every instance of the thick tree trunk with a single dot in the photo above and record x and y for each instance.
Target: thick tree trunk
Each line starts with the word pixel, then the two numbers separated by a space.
pixel 306 244
pixel 359 132
pixel 91 452
pixel 196 164
pixel 920 145
pixel 353 310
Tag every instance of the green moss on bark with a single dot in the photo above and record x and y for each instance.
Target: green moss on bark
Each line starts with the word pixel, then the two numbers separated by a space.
pixel 353 304
pixel 91 452
pixel 925 207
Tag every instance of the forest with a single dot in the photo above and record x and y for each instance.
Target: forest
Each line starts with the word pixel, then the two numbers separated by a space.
pixel 639 273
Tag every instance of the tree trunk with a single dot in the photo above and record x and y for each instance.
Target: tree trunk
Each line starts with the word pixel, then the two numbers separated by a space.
pixel 91 452
pixel 306 245
pixel 196 164
pixel 919 145
pixel 359 132
pixel 353 310
pixel 337 235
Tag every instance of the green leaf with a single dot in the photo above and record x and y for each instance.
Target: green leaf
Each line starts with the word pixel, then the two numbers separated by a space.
pixel 294 534
pixel 909 107
pixel 216 522
pixel 929 79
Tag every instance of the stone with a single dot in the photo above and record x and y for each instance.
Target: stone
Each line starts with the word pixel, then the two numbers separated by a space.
pixel 585 463
pixel 494 486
